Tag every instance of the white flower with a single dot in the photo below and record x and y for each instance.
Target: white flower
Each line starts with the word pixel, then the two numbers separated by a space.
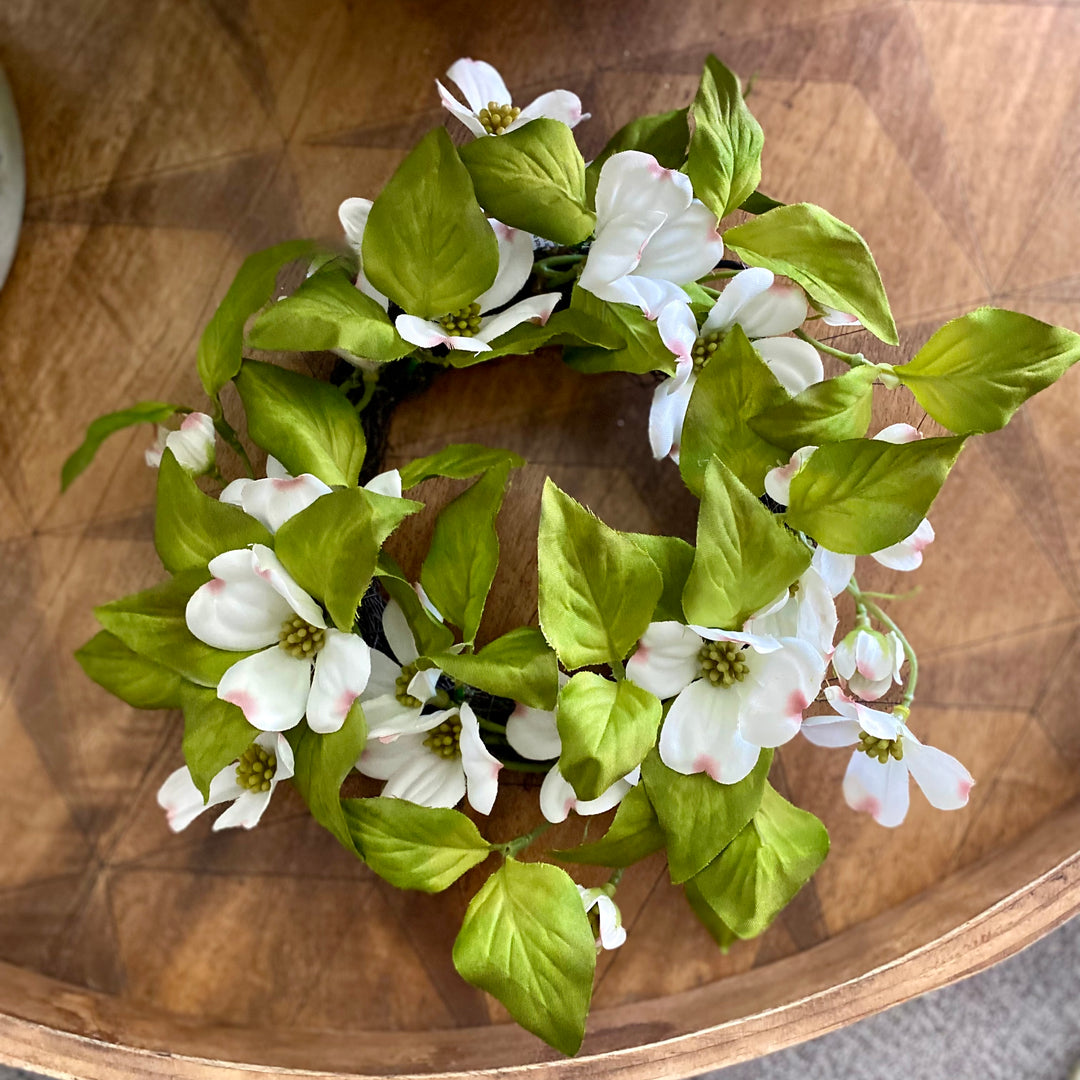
pixel 805 611
pixel 534 734
pixel 280 495
pixel 438 766
pixel 835 317
pixel 876 781
pixel 837 568
pixel 869 661
pixel 652 235
pixel 612 933
pixel 192 445
pixel 491 110
pixel 248 784
pixel 253 603
pixel 735 693
pixel 766 310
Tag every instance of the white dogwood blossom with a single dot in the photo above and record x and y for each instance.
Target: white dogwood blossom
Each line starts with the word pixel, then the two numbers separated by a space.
pixel 609 930
pixel 869 661
pixel 192 444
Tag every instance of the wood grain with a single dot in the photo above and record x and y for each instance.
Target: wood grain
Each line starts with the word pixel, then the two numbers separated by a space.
pixel 164 141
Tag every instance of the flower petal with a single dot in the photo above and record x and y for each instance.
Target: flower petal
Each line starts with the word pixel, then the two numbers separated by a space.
pixel 555 105
pixel 633 184
pixel 413 772
pixel 878 790
pixel 533 733
pixel 276 499
pixel 245 812
pixel 557 797
pixel 386 483
pixel 650 295
pixel 828 730
pixel 868 689
pixel 778 480
pixel 481 767
pixel 353 215
pixel 762 643
pixel 941 778
pixel 701 734
pixel 835 569
pixel 515 266
pixel 183 802
pixel 398 634
pixel 383 677
pixel 236 609
pixel 667 415
pixel 678 331
pixel 872 659
pixel 464 114
pixel 899 433
pixel 533 309
pixel 612 931
pixel 666 659
pixel 908 553
pixel 342 668
pixel 687 247
pixel 872 721
pixel 617 251
pixel 782 686
pixel 479 82
pixel 778 310
pixel 795 363
pixel 422 332
pixel 268 566
pixel 269 687
pixel 736 294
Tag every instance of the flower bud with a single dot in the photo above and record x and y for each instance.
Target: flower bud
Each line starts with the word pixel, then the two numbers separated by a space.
pixel 869 661
pixel 192 445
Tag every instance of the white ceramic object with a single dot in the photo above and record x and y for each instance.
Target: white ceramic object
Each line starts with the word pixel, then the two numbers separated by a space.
pixel 12 178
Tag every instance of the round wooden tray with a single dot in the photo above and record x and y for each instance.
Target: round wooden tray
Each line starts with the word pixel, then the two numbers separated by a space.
pixel 162 144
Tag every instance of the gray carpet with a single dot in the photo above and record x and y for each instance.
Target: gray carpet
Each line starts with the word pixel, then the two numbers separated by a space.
pixel 1017 1021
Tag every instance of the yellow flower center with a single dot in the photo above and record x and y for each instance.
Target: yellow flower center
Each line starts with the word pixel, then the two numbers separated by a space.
pixel 704 347
pixel 497 118
pixel 445 740
pixel 256 768
pixel 882 749
pixel 300 639
pixel 722 662
pixel 401 687
pixel 462 323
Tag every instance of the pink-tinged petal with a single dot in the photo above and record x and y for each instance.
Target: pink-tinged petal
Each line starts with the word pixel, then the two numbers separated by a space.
pixel 268 566
pixel 183 802
pixel 650 295
pixel 533 733
pixel 557 797
pixel 468 344
pixel 666 659
pixel 908 554
pixel 387 718
pixel 236 610
pixel 612 931
pixel 633 184
pixel 422 332
pixel 868 689
pixel 152 454
pixel 687 247
pixel 233 492
pixel 834 317
pixel 678 331
pixel 398 634
pixel 606 801
pixel 464 114
pixel 760 643
pixel 876 789
pixel 828 730
pixel 843 660
pixel 667 414
pixel 555 105
pixel 617 251
pixel 778 480
pixel 880 725
pixel 701 734
pixel 245 812
pixel 479 82
pixel 386 483
pixel 795 363
pixel 382 758
pixel 941 778
pixel 899 433
pixel 342 668
pixel 778 310
pixel 515 266
pixel 276 499
pixel 270 688
pixel 835 569
pixel 736 294
pixel 481 767
pixel 533 309
pixel 193 444
pixel 872 659
pixel 779 688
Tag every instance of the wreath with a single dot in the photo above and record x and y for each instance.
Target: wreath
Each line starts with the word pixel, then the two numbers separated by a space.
pixel 663 674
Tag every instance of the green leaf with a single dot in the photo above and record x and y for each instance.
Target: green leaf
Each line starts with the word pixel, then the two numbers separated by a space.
pixel 307 424
pixel 427 244
pixel 724 162
pixel 634 834
pixel 145 412
pixel 527 940
pixel 414 847
pixel 221 345
pixel 829 259
pixel 598 589
pixel 458 461
pixel 860 496
pixel 759 203
pixel 976 371
pixel 464 552
pixel 519 665
pixel 328 312
pixel 533 178
pixel 721 933
pixel 131 677
pixel 322 763
pixel 713 428
pixel 828 411
pixel 215 734
pixel 431 636
pixel 643 350
pixel 152 624
pixel 745 557
pixel 673 558
pixel 606 728
pixel 664 135
pixel 568 327
pixel 330 548
pixel 758 874
pixel 699 816
pixel 191 528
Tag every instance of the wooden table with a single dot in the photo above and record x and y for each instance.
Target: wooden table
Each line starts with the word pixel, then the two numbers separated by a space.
pixel 167 138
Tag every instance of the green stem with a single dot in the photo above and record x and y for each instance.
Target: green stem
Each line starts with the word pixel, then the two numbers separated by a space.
pixel 514 847
pixel 886 620
pixel 618 669
pixel 545 266
pixel 526 766
pixel 491 725
pixel 851 359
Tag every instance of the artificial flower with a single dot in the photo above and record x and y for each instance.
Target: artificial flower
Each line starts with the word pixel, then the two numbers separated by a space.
pixel 735 693
pixel 491 111
pixel 252 603
pixel 652 235
pixel 835 567
pixel 438 766
pixel 534 734
pixel 766 309
pixel 192 444
pixel 869 661
pixel 806 611
pixel 886 753
pixel 608 928
pixel 248 784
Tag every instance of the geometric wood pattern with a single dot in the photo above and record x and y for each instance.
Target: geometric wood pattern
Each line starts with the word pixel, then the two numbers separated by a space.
pixel 164 141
